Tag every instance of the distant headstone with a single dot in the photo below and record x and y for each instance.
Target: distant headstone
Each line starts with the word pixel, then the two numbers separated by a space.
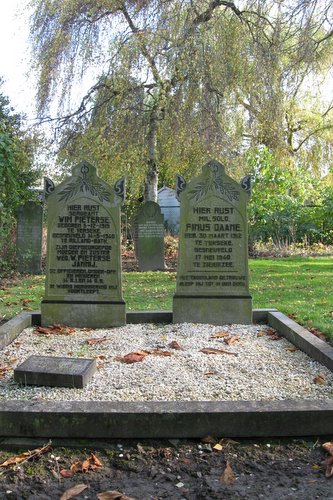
pixel 212 276
pixel 150 237
pixel 83 268
pixel 55 371
pixel 29 237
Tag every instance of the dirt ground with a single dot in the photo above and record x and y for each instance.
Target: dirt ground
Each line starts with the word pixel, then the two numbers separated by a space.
pixel 177 469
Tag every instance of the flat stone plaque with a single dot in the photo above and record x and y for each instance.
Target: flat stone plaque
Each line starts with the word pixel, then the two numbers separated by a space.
pixel 55 371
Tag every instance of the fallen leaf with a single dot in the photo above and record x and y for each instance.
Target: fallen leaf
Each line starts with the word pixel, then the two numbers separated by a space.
pixel 208 440
pixel 112 495
pixel 131 357
pixel 174 345
pixel 219 335
pixel 101 357
pixel 275 337
pixel 66 473
pixel 318 334
pixel 262 333
pixel 26 301
pixel 218 447
pixel 328 447
pixel 73 492
pixel 210 374
pixel 159 352
pixel 208 350
pixel 231 340
pixel 5 368
pixel 228 476
pixel 89 463
pixel 96 341
pixel 320 379
pixel 27 455
pixel 54 330
pixel 292 349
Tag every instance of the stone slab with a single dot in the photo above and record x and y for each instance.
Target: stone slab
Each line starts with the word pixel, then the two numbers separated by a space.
pixel 55 371
pixel 12 328
pixel 167 419
pixel 313 346
pixel 89 315
pixel 212 310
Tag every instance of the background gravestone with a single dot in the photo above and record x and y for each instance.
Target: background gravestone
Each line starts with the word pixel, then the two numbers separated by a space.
pixel 83 269
pixel 29 238
pixel 150 237
pixel 212 276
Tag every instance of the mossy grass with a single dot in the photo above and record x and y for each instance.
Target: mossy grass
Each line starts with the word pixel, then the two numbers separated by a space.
pixel 299 287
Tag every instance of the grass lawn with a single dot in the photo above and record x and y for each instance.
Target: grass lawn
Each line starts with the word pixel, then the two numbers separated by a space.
pixel 298 286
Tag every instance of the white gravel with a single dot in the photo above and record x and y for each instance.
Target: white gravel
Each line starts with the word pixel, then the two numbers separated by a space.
pixel 264 369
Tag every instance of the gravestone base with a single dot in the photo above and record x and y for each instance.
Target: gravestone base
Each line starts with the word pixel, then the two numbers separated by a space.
pixel 212 310
pixel 83 314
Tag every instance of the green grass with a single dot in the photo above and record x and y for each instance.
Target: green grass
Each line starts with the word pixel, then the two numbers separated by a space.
pixel 300 287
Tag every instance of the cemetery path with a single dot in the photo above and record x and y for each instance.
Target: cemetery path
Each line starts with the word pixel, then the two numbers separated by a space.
pixel 177 469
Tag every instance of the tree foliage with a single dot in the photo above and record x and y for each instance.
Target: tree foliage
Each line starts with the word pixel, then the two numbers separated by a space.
pixel 179 81
pixel 16 172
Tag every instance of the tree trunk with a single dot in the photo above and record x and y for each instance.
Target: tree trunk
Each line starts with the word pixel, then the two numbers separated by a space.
pixel 151 182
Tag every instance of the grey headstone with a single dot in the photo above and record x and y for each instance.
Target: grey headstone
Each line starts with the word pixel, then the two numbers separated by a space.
pixel 150 237
pixel 29 238
pixel 83 269
pixel 55 371
pixel 212 277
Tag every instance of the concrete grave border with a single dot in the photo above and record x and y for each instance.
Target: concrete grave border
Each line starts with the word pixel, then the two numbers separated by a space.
pixel 171 419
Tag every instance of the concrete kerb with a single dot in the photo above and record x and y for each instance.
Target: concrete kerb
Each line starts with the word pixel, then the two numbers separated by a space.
pixel 171 419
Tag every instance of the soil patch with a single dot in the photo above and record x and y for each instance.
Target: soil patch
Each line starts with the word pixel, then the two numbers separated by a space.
pixel 177 469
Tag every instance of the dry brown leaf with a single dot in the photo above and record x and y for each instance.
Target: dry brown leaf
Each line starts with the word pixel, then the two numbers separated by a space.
pixel 220 335
pixel 66 473
pixel 159 352
pixel 209 440
pixel 96 341
pixel 112 495
pixel 231 340
pixel 228 476
pixel 275 337
pixel 5 368
pixel 209 350
pixel 101 357
pixel 27 455
pixel 329 467
pixel 318 334
pixel 262 333
pixel 174 345
pixel 292 349
pixel 73 492
pixel 320 379
pixel 54 330
pixel 328 446
pixel 210 374
pixel 131 357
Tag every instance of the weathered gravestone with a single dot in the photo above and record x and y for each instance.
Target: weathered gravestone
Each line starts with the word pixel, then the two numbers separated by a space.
pixel 29 238
pixel 212 276
pixel 83 269
pixel 150 237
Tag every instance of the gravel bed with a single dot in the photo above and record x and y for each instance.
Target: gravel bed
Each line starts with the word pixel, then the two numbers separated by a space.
pixel 262 369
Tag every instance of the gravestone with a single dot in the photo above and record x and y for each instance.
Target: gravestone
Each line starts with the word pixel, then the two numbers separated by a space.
pixel 83 269
pixel 212 275
pixel 55 371
pixel 150 237
pixel 29 238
